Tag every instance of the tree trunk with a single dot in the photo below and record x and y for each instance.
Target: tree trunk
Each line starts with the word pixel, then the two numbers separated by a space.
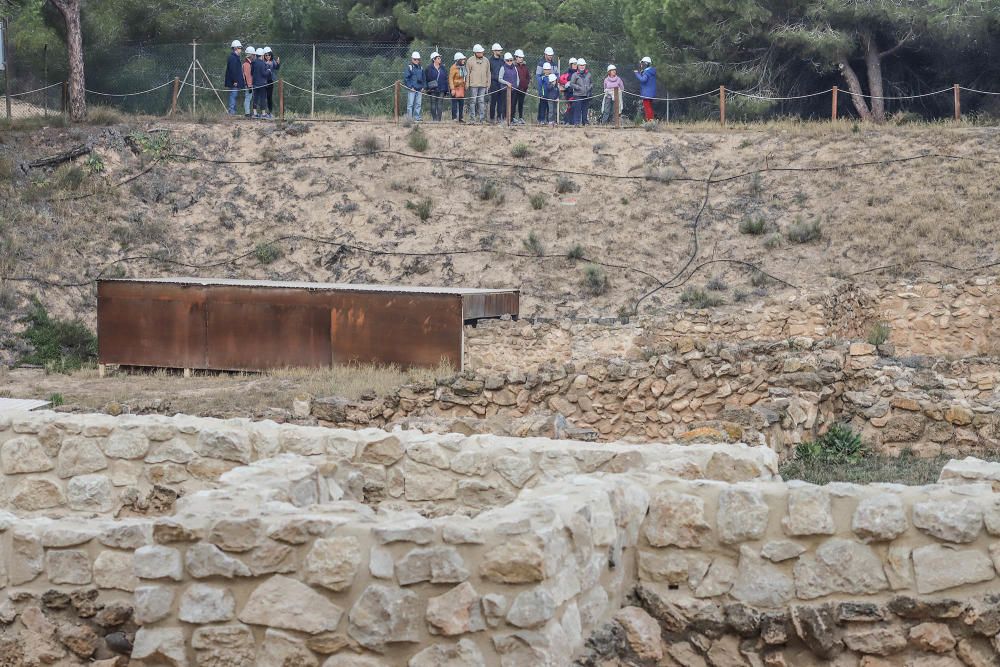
pixel 70 10
pixel 854 86
pixel 873 63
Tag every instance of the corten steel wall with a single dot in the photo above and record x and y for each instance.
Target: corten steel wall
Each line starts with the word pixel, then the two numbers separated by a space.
pixel 248 325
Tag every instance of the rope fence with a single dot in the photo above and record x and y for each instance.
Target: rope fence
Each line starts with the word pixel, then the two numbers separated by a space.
pixel 26 103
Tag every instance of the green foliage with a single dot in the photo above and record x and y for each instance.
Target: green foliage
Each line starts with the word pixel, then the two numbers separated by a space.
pixel 534 245
pixel 716 284
pixel 59 345
pixel 537 200
pixel 879 333
pixel 773 241
pixel 154 144
pixel 489 189
pixel 595 280
pixel 801 231
pixel 268 253
pixel 421 207
pixel 576 252
pixel 840 444
pixel 697 297
pixel 56 400
pixel 418 140
pixel 95 163
pixel 520 150
pixel 565 184
pixel 755 225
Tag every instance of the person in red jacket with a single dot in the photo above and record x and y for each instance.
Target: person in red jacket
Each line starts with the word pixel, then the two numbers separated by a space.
pixel 520 90
pixel 568 90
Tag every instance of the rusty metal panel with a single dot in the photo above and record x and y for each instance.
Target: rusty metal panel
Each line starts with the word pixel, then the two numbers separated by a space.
pixel 154 325
pixel 405 329
pixel 491 304
pixel 259 329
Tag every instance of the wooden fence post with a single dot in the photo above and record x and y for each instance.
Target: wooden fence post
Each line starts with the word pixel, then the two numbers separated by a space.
pixel 722 105
pixel 509 114
pixel 281 99
pixel 395 102
pixel 958 104
pixel 618 111
pixel 833 108
pixel 173 98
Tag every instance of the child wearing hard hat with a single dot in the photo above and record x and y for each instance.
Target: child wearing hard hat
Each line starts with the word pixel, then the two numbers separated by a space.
pixel 549 57
pixel 415 82
pixel 548 88
pixel 521 90
pixel 458 76
pixel 498 92
pixel 479 82
pixel 612 82
pixel 437 85
pixel 234 74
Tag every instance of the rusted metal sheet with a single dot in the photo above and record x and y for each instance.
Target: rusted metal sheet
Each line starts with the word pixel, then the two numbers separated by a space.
pixel 406 329
pixel 221 324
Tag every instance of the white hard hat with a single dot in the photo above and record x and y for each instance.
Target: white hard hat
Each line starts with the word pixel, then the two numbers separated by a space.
pixel 267 49
pixel 546 65
pixel 572 61
pixel 236 44
pixel 507 56
pixel 611 67
pixel 549 51
pixel 552 78
pixel 435 54
pixel 250 51
pixel 459 56
pixel 415 55
pixel 497 47
pixel 478 48
pixel 581 61
pixel 647 60
pixel 518 53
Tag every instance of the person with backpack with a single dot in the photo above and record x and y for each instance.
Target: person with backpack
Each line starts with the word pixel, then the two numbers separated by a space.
pixel 415 82
pixel 549 57
pixel 583 88
pixel 647 86
pixel 612 82
pixel 568 91
pixel 234 74
pixel 498 94
pixel 273 65
pixel 521 90
pixel 458 76
pixel 437 85
pixel 478 82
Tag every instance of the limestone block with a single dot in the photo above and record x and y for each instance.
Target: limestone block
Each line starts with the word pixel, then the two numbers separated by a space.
pixel 839 566
pixel 809 512
pixel 439 565
pixel 455 612
pixel 383 452
pixel 937 567
pixel 719 578
pixel 742 514
pixel 676 519
pixel 494 608
pixel 79 456
pixel 777 551
pixel 23 455
pixel 164 644
pixel 236 535
pixel 412 528
pixel 642 633
pixel 423 482
pixel 333 562
pixel 875 639
pixel 531 608
pixel 519 560
pixel 125 444
pixel 954 521
pixel 932 637
pixel 126 535
pixel 224 646
pixel 228 444
pixel 383 615
pixel 515 469
pixel 281 649
pixel 201 603
pixel 457 529
pixel 672 566
pixel 92 493
pixel 282 602
pixel 27 558
pixel 158 562
pixel 207 560
pixel 151 603
pixel 463 654
pixel 68 567
pixel 760 584
pixel 879 518
pixel 36 494
pixel 170 451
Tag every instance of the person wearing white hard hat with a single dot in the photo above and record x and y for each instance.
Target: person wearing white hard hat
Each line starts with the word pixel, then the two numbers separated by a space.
pixel 564 79
pixel 548 90
pixel 259 77
pixel 234 74
pixel 437 85
pixel 549 57
pixel 647 86
pixel 612 82
pixel 507 78
pixel 520 90
pixel 251 56
pixel 272 65
pixel 583 88
pixel 415 81
pixel 498 96
pixel 458 78
pixel 479 83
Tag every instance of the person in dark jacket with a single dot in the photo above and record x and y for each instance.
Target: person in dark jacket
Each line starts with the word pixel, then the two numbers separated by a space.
pixel 506 78
pixel 521 90
pixel 416 83
pixel 568 90
pixel 549 58
pixel 258 73
pixel 234 74
pixel 436 76
pixel 273 65
pixel 583 88
pixel 548 89
pixel 647 86
pixel 498 96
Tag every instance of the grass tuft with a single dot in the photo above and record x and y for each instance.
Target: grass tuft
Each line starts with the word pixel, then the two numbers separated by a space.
pixel 520 150
pixel 421 207
pixel 801 231
pixel 565 184
pixel 595 280
pixel 879 333
pixel 753 225
pixel 534 245
pixel 576 252
pixel 418 140
pixel 369 143
pixel 267 253
pixel 537 200
pixel 696 297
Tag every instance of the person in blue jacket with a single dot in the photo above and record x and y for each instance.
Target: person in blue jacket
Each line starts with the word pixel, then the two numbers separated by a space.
pixel 436 76
pixel 548 86
pixel 647 86
pixel 234 74
pixel 415 82
pixel 259 74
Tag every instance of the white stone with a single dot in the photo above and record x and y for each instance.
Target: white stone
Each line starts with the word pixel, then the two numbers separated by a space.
pixel 809 512
pixel 68 567
pixel 781 550
pixel 383 615
pixel 282 602
pixel 839 566
pixel 879 518
pixel 79 456
pixel 166 644
pixel 515 469
pixel 413 528
pixel 937 567
pixel 531 608
pixel 333 562
pixel 207 560
pixel 676 519
pixel 115 569
pixel 23 455
pixel 125 444
pixel 455 612
pixel 380 563
pixel 226 444
pixel 158 562
pixel 281 649
pixel 90 493
pixel 742 514
pixel 151 603
pixel 463 654
pixel 957 521
pixel 206 604
pixel 760 584
pixel 439 565
pixel 170 451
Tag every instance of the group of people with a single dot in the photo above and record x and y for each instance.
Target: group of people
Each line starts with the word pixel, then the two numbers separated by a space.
pixel 254 73
pixel 484 82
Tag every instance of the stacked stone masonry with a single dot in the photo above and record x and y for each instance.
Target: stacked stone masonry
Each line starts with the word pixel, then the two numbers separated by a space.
pixel 294 545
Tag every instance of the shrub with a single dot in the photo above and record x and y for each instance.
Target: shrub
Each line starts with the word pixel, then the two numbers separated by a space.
pixel 266 253
pixel 840 444
pixel 716 284
pixel 95 163
pixel 879 333
pixel 697 297
pixel 756 188
pixel 489 189
pixel 660 175
pixel 534 245
pixel 576 252
pixel 368 144
pixel 56 400
pixel 773 241
pixel 538 200
pixel 69 177
pixel 759 278
pixel 6 169
pixel 804 232
pixel 520 150
pixel 595 280
pixel 566 184
pixel 739 296
pixel 104 115
pixel 61 345
pixel 155 144
pixel 422 208
pixel 418 140
pixel 753 225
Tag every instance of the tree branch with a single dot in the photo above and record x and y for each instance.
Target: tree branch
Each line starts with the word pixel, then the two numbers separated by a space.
pixel 888 52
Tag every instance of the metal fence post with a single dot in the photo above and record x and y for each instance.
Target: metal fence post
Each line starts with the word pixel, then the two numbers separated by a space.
pixel 281 99
pixel 958 104
pixel 194 68
pixel 722 105
pixel 668 107
pixel 618 111
pixel 173 98
pixel 312 100
pixel 833 110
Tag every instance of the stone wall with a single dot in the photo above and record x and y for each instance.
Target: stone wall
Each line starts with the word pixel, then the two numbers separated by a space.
pixel 945 320
pixel 779 393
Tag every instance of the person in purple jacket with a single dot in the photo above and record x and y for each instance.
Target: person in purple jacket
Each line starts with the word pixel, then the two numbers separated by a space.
pixel 506 78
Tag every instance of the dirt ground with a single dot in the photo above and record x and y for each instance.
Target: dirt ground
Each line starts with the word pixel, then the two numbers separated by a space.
pixel 287 210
